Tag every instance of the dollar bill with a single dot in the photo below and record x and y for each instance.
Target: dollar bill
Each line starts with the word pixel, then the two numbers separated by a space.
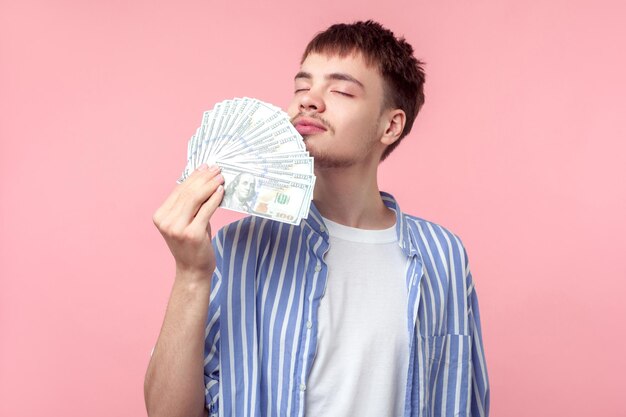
pixel 266 167
pixel 264 196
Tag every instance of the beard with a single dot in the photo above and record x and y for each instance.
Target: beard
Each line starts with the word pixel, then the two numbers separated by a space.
pixel 325 161
pixel 322 150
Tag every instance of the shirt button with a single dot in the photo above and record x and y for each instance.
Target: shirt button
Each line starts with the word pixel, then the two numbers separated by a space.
pixel 302 387
pixel 309 324
pixel 322 229
pixel 318 268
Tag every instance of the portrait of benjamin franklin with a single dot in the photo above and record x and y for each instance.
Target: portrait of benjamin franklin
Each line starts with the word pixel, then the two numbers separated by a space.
pixel 240 192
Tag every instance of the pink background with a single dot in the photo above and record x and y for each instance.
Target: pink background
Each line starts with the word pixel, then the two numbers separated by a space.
pixel 520 150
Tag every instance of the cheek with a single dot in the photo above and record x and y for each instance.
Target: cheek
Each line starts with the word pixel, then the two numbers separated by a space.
pixel 363 128
pixel 358 120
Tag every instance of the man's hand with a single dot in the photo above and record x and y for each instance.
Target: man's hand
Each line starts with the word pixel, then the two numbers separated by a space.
pixel 183 220
pixel 174 383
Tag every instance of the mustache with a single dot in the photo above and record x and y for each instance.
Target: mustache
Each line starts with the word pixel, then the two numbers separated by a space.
pixel 315 116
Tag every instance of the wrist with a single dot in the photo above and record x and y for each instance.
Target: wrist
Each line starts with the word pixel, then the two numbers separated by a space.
pixel 194 275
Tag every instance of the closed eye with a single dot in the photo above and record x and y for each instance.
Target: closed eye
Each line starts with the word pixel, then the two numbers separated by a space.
pixel 342 93
pixel 301 89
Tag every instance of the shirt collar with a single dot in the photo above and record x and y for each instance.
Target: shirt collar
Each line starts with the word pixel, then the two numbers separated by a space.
pixel 405 236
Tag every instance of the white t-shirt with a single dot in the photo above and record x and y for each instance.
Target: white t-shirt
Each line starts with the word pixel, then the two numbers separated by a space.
pixel 361 362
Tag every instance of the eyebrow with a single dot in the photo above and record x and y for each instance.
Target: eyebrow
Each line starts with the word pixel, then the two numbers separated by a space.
pixel 334 76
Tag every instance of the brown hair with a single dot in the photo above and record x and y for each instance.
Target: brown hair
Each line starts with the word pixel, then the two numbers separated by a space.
pixel 403 73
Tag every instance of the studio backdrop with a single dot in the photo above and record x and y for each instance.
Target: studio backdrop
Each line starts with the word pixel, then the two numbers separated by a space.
pixel 519 150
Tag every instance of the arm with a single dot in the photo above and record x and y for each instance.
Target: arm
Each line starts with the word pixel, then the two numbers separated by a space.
pixel 174 382
pixel 480 381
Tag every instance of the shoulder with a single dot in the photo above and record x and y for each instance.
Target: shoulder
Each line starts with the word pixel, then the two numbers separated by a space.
pixel 431 240
pixel 435 241
pixel 428 229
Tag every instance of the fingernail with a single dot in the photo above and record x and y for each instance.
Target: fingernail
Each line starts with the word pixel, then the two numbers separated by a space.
pixel 202 167
pixel 220 178
pixel 220 188
pixel 214 168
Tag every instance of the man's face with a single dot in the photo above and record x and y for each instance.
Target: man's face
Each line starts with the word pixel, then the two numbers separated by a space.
pixel 336 107
pixel 245 187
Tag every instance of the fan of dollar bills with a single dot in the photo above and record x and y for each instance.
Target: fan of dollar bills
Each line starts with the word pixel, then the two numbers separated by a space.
pixel 267 170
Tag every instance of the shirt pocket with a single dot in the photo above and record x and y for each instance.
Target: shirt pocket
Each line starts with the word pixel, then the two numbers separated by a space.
pixel 450 372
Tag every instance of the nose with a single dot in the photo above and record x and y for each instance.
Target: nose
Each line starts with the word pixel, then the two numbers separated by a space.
pixel 311 101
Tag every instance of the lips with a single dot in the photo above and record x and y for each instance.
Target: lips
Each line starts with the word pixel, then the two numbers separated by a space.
pixel 307 126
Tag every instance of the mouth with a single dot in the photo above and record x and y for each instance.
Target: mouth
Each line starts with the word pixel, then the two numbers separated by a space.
pixel 308 126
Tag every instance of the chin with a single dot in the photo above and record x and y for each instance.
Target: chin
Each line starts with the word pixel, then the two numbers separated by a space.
pixel 324 161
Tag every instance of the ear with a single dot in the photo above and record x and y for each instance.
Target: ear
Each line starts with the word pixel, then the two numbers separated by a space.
pixel 395 121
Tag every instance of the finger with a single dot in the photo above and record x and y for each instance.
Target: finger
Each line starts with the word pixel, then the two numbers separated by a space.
pixel 186 201
pixel 201 175
pixel 192 200
pixel 203 217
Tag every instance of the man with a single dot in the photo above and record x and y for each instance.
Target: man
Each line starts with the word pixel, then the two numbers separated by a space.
pixel 239 193
pixel 361 310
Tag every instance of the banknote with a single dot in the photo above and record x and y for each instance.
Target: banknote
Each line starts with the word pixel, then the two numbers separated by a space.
pixel 266 167
pixel 264 196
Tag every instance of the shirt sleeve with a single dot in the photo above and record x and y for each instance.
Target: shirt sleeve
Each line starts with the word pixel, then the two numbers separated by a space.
pixel 480 381
pixel 212 335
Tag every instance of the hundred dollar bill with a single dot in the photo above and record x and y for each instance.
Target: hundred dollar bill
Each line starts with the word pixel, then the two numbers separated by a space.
pixel 266 167
pixel 257 117
pixel 297 165
pixel 264 196
pixel 269 172
pixel 274 131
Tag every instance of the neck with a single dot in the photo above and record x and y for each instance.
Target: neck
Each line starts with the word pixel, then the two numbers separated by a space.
pixel 350 196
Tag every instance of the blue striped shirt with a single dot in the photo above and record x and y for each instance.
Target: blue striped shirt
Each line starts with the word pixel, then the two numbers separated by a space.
pixel 261 330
